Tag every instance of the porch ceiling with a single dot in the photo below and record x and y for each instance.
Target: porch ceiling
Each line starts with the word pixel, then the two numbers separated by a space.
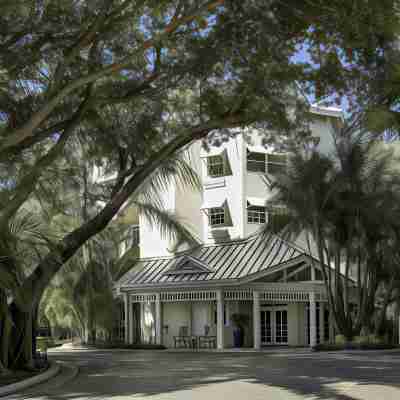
pixel 237 260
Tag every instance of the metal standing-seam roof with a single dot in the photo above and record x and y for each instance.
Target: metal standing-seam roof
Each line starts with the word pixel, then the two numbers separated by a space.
pixel 223 261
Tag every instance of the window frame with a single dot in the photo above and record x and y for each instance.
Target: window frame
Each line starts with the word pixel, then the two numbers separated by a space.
pixel 257 214
pixel 220 164
pixel 255 161
pixel 212 213
pixel 279 164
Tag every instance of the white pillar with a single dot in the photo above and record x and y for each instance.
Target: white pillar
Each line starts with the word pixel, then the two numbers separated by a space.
pixel 158 319
pixel 130 320
pixel 321 322
pixel 256 320
pixel 313 320
pixel 126 312
pixel 220 319
pixel 312 273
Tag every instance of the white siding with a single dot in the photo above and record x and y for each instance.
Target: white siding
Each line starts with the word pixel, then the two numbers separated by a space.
pixel 152 243
pixel 234 188
pixel 229 189
pixel 175 315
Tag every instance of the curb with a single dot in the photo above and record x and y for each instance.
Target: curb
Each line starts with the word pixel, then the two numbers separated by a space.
pixel 14 387
pixel 68 372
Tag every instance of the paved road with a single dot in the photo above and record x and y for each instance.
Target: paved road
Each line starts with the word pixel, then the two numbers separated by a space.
pixel 289 375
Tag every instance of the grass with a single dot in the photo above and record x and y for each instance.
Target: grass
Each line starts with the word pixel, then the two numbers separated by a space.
pixel 43 343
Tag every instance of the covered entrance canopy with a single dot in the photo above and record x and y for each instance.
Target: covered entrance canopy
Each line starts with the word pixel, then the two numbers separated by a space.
pixel 272 281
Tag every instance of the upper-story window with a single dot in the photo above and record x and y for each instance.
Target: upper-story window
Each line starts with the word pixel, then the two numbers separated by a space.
pixel 215 166
pixel 256 215
pixel 216 216
pixel 255 162
pixel 218 165
pixel 276 163
pixel 266 163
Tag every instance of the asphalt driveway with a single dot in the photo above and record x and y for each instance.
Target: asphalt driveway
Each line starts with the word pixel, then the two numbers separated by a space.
pixel 286 374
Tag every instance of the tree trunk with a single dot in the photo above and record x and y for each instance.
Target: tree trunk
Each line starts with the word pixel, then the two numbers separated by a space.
pixel 34 286
pixel 379 326
pixel 5 331
pixel 34 330
pixel 21 346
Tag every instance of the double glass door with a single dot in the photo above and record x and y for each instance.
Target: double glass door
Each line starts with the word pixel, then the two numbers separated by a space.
pixel 274 326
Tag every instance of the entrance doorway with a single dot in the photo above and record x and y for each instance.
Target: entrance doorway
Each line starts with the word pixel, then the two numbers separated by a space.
pixel 274 325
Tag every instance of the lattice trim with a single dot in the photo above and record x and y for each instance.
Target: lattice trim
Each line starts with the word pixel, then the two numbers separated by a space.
pixel 142 298
pixel 232 295
pixel 229 295
pixel 285 296
pixel 191 296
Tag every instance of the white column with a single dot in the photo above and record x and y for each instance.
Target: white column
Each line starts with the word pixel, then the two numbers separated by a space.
pixel 331 326
pixel 130 320
pixel 126 312
pixel 220 319
pixel 256 320
pixel 158 319
pixel 321 322
pixel 312 273
pixel 313 320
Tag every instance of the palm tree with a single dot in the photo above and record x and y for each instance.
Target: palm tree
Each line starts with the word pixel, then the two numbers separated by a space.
pixel 22 240
pixel 344 205
pixel 81 296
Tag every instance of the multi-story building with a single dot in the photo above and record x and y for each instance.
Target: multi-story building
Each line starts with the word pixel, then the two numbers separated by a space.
pixel 194 295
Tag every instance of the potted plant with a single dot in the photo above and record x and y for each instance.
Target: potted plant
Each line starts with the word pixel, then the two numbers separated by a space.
pixel 240 321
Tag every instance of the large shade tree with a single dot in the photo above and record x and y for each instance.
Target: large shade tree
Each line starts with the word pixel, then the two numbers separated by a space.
pixel 133 82
pixel 345 208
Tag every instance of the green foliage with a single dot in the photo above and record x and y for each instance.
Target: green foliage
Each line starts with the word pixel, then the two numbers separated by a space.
pixel 345 208
pixel 123 86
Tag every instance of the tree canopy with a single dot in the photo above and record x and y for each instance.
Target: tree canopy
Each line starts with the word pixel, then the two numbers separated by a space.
pixel 126 84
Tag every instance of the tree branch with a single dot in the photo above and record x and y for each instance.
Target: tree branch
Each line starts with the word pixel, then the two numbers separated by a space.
pixel 28 129
pixel 68 246
pixel 28 182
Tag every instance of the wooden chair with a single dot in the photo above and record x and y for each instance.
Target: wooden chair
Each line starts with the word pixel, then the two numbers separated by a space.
pixel 183 338
pixel 207 341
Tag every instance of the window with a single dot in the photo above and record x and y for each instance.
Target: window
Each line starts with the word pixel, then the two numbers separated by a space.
pixel 256 215
pixel 270 163
pixel 215 166
pixel 276 163
pixel 216 216
pixel 255 162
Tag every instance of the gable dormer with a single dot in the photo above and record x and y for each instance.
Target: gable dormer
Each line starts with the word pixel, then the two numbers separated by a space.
pixel 188 265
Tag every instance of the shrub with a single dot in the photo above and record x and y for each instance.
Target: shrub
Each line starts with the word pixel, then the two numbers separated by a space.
pixel 354 346
pixel 340 339
pixel 138 346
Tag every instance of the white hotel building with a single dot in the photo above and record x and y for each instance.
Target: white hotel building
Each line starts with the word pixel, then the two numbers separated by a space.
pixel 187 298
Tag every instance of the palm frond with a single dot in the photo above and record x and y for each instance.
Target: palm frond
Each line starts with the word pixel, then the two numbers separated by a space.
pixel 176 172
pixel 168 224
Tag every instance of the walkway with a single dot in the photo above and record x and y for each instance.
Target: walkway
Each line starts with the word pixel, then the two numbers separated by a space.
pixel 288 375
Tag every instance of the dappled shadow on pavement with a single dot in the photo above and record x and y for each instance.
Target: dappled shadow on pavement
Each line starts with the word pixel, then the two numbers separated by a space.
pixel 159 375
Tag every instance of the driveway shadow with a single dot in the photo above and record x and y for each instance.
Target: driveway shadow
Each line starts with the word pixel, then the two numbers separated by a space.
pixel 147 374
